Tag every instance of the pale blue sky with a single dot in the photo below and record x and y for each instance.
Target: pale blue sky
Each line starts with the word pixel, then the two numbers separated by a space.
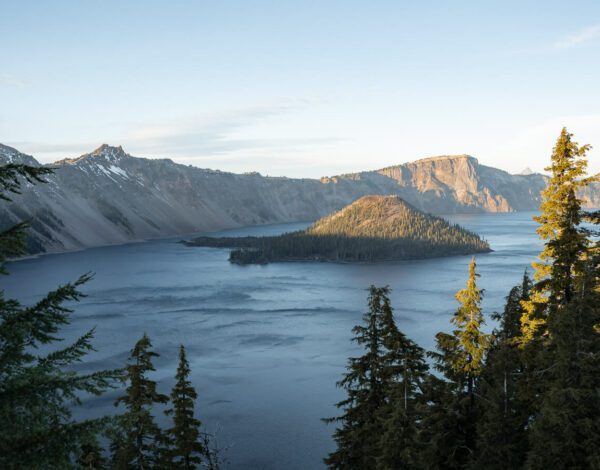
pixel 300 88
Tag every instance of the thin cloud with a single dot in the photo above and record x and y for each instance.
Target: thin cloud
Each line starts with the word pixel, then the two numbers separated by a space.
pixel 581 37
pixel 215 134
pixel 210 139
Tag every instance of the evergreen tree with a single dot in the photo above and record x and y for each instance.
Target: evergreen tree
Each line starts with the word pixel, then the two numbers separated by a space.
pixel 460 359
pixel 472 341
pixel 565 239
pixel 357 438
pixel 187 448
pixel 139 442
pixel 443 426
pixel 406 371
pixel 380 418
pixel 559 324
pixel 503 410
pixel 37 391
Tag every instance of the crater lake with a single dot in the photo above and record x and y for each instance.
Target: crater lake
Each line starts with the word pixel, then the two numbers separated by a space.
pixel 266 343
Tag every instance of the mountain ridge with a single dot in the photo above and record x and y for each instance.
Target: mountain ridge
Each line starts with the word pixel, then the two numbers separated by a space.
pixel 108 196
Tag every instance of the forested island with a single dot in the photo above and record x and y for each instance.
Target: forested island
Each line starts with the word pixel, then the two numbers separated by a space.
pixel 373 228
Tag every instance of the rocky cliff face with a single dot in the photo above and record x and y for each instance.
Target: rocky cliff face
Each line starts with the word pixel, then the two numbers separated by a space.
pixel 449 184
pixel 108 196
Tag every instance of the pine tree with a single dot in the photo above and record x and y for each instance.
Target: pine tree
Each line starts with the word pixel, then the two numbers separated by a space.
pixel 468 320
pixel 187 448
pixel 565 240
pixel 367 384
pixel 406 371
pixel 382 386
pixel 139 442
pixel 37 391
pixel 460 359
pixel 442 427
pixel 504 412
pixel 357 438
pixel 560 323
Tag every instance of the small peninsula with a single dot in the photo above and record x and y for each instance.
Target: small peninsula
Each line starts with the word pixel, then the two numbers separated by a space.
pixel 371 229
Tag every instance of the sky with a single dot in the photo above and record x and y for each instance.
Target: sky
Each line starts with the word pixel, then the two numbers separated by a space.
pixel 301 88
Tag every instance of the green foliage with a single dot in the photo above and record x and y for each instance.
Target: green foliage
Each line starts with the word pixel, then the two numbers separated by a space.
pixel 12 239
pixel 504 407
pixel 186 443
pixel 444 426
pixel 374 228
pixel 382 387
pixel 566 241
pixel 560 339
pixel 460 358
pixel 13 174
pixel 139 442
pixel 468 321
pixel 407 370
pixel 91 457
pixel 37 390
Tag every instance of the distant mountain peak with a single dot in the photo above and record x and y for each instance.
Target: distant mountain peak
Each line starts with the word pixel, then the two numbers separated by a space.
pixel 12 155
pixel 527 171
pixel 104 152
pixel 109 151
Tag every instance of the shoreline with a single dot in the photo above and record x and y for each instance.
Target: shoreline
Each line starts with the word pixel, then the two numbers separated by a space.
pixel 209 232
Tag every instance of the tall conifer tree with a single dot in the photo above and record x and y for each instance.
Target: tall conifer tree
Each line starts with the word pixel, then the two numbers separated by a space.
pixel 380 419
pixel 357 438
pixel 187 450
pixel 560 322
pixel 407 371
pixel 565 239
pixel 139 443
pixel 460 358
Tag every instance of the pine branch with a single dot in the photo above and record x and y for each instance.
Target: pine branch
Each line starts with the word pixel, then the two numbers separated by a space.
pixel 12 243
pixel 70 354
pixel 10 181
pixel 44 318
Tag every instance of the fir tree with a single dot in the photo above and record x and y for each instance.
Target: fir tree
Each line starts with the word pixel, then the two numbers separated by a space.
pixel 503 410
pixel 357 438
pixel 139 443
pixel 37 391
pixel 442 432
pixel 565 240
pixel 460 359
pixel 406 371
pixel 380 418
pixel 187 448
pixel 468 320
pixel 560 321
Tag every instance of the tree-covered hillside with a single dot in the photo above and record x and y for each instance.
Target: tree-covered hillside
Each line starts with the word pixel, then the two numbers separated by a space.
pixel 373 228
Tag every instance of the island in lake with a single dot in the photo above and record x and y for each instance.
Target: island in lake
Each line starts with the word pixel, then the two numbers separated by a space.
pixel 373 228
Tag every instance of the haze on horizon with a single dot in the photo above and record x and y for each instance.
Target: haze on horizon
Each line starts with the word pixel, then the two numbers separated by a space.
pixel 302 89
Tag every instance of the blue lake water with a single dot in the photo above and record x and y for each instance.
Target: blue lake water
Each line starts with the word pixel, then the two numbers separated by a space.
pixel 266 344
